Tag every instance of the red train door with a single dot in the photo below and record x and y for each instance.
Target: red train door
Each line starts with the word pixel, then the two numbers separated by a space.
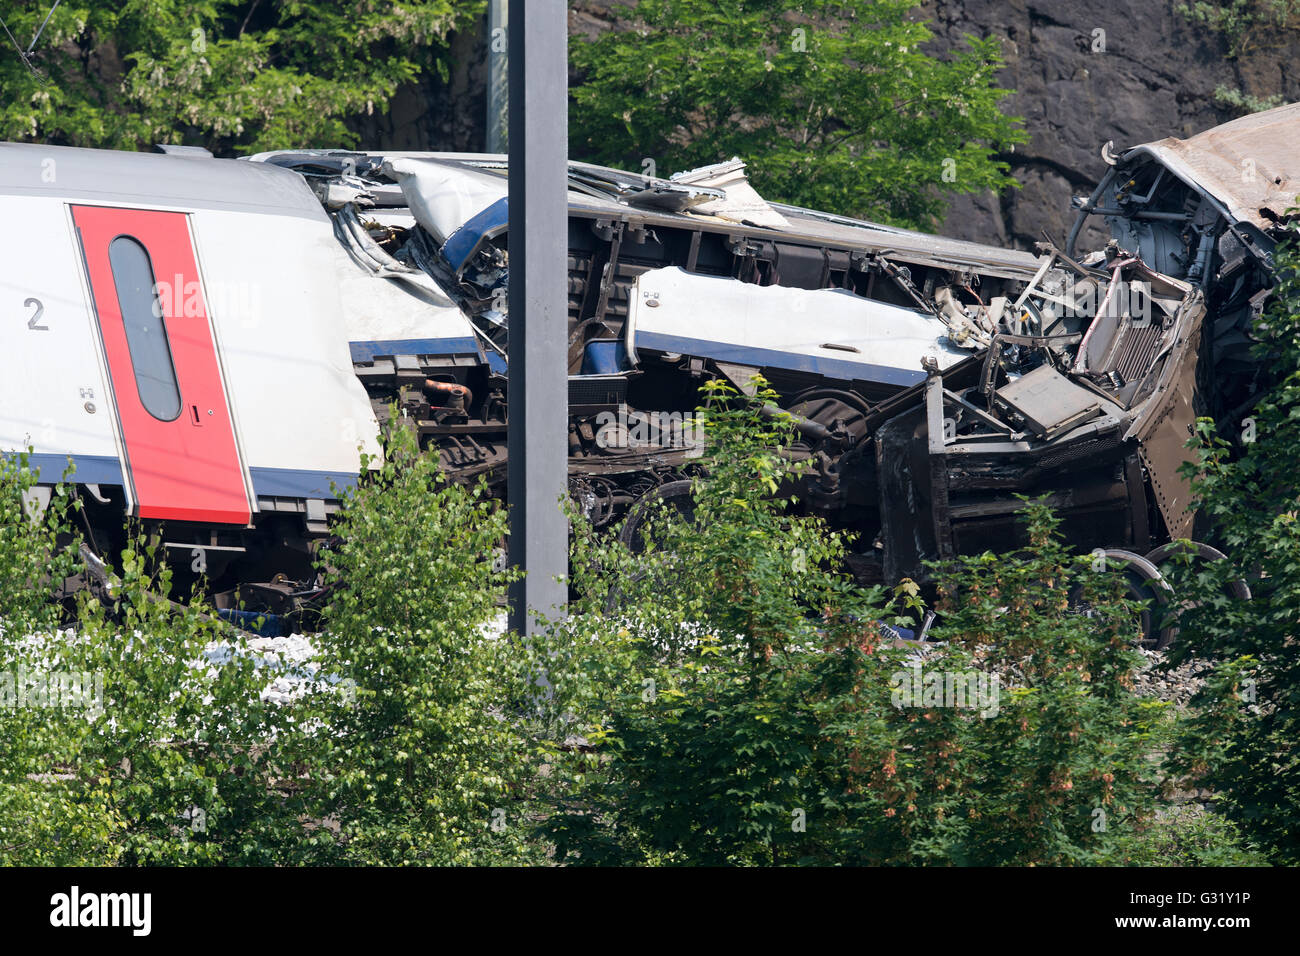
pixel 182 460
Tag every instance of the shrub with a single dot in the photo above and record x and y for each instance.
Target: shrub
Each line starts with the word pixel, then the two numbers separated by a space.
pixel 406 747
pixel 730 697
pixel 1244 739
pixel 132 744
pixel 686 667
pixel 1063 768
pixel 1193 837
pixel 420 758
pixel 186 751
pixel 48 815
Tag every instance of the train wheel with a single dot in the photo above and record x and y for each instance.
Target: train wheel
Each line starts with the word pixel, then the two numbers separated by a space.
pixel 1195 551
pixel 1144 582
pixel 1166 554
pixel 673 494
pixel 825 406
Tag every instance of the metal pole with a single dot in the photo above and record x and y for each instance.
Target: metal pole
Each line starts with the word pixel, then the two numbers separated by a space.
pixel 537 471
pixel 498 72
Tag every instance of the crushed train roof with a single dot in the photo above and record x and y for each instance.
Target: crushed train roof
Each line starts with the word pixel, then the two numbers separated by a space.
pixel 1251 165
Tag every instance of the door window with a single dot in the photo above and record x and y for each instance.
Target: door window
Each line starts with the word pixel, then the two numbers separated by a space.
pixel 146 334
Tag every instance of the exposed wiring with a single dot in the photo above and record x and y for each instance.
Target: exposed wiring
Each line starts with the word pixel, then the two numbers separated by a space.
pixel 26 55
pixel 41 28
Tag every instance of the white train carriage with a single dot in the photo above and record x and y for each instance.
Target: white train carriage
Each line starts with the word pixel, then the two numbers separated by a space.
pixel 173 333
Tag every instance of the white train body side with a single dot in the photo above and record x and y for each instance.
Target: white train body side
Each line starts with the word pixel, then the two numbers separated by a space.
pixel 299 417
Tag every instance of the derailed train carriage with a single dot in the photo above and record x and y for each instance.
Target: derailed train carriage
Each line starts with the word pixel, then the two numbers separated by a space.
pixel 932 380
pixel 170 340
pixel 670 281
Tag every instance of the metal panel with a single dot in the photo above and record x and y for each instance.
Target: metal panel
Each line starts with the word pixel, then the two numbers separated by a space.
pixel 1047 401
pixel 1260 192
pixel 282 325
pixel 1166 423
pixel 827 332
pixel 53 389
pixel 30 169
pixel 938 465
pixel 187 468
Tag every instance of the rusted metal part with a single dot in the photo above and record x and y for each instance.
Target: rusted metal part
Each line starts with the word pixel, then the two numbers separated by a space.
pixel 1139 521
pixel 1081 358
pixel 906 537
pixel 1249 165
pixel 607 272
pixel 1165 424
pixel 446 388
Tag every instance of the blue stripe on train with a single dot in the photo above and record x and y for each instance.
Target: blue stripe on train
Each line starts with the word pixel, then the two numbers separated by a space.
pixel 277 482
pixel 296 483
pixel 90 469
pixel 462 243
pixel 365 351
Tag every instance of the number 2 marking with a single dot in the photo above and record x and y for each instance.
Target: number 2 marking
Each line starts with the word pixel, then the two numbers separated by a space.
pixel 32 323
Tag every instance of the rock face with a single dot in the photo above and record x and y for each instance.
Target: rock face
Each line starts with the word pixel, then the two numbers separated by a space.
pixel 1084 72
pixel 1130 71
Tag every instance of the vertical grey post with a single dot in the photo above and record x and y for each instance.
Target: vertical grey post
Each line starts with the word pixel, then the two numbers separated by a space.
pixel 537 471
pixel 498 71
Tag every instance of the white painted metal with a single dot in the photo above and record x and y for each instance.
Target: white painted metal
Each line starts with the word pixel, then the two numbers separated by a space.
pixel 277 317
pixel 379 309
pixel 744 323
pixel 49 364
pixel 443 197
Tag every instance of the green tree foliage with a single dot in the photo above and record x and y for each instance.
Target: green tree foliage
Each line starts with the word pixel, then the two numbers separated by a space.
pixel 423 761
pixel 1192 837
pixel 684 669
pixel 741 703
pixel 121 742
pixel 408 745
pixel 724 696
pixel 48 816
pixel 835 106
pixel 232 75
pixel 1245 739
pixel 192 757
pixel 1063 770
